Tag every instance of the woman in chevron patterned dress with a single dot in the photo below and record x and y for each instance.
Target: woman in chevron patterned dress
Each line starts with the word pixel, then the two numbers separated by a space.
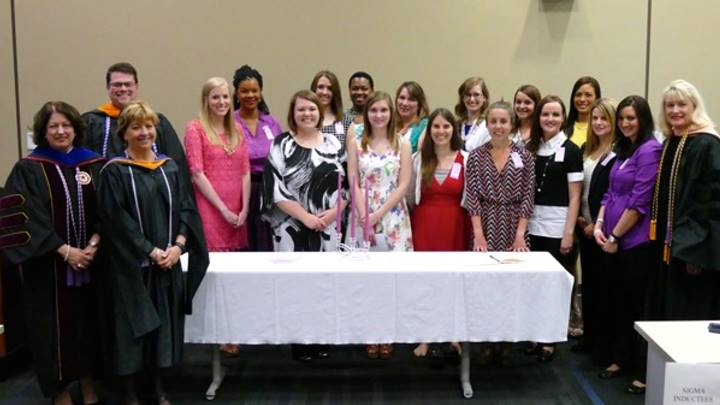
pixel 499 186
pixel 499 198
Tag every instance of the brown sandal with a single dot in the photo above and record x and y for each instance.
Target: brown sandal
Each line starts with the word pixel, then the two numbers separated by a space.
pixel 386 351
pixel 230 349
pixel 372 351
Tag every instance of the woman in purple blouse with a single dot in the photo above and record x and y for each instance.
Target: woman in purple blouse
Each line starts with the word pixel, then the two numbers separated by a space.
pixel 260 129
pixel 621 230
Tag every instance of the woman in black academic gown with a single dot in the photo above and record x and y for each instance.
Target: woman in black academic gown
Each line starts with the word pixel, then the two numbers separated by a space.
pixel 685 218
pixel 59 279
pixel 149 219
pixel 688 194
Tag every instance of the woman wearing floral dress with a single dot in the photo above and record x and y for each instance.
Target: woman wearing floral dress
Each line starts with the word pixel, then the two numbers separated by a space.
pixel 381 159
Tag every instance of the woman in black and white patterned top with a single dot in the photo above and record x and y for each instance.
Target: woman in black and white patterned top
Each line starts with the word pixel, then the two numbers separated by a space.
pixel 301 177
pixel 558 188
pixel 326 86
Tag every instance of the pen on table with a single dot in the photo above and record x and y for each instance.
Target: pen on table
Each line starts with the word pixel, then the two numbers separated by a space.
pixel 496 259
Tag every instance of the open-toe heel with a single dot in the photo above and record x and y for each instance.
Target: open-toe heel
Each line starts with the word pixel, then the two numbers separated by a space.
pixel 373 351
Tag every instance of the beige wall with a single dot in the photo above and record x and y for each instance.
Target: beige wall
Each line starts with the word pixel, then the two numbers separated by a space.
pixel 8 136
pixel 65 47
pixel 684 45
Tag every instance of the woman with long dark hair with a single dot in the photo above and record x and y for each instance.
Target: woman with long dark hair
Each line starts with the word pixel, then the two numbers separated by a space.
pixel 411 113
pixel 525 100
pixel 622 229
pixel 558 189
pixel 584 92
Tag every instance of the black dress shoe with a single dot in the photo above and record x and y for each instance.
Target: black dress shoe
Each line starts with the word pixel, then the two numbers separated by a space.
pixel 531 348
pixel 545 356
pixel 451 356
pixel 303 358
pixel 579 347
pixel 634 389
pixel 435 357
pixel 607 374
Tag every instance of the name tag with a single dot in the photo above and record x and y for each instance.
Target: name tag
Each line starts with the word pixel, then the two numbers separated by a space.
pixel 455 171
pixel 268 133
pixel 517 161
pixel 560 155
pixel 339 128
pixel 608 158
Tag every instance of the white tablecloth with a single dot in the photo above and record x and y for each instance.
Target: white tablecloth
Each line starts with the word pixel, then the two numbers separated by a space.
pixel 278 298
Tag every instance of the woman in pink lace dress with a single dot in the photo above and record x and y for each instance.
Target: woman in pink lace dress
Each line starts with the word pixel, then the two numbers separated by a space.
pixel 217 156
pixel 218 161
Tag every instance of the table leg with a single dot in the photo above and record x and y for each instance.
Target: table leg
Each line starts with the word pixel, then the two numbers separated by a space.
pixel 218 374
pixel 655 379
pixel 465 384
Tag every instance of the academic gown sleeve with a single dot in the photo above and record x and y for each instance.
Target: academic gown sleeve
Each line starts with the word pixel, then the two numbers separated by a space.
pixel 27 179
pixel 169 144
pixel 198 257
pixel 696 231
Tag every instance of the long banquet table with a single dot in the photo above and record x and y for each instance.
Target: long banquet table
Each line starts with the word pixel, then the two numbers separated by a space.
pixel 379 297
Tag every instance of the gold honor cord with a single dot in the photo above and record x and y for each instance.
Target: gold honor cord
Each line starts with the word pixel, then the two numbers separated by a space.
pixel 671 199
pixel 656 195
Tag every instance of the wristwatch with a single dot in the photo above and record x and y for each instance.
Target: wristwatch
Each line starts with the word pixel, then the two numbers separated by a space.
pixel 612 239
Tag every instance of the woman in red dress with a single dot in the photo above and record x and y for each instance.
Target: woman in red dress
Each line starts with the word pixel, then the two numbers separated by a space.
pixel 439 222
pixel 439 171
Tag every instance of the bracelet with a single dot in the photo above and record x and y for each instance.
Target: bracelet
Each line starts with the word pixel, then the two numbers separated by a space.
pixel 600 220
pixel 94 243
pixel 67 253
pixel 181 246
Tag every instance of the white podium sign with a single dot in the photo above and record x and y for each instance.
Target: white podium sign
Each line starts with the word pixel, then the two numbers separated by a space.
pixel 687 383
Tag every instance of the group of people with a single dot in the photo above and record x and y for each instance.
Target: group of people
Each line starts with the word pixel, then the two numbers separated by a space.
pixel 110 202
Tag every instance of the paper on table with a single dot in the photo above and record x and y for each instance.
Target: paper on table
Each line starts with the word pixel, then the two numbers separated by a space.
pixel 283 259
pixel 490 260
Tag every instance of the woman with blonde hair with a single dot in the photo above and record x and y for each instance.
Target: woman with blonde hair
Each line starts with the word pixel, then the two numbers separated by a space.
pixel 149 219
pixel 685 275
pixel 598 159
pixel 473 98
pixel 217 157
pixel 382 159
pixel 220 169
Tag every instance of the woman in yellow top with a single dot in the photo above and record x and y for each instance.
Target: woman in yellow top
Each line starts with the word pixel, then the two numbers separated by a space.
pixel 584 93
